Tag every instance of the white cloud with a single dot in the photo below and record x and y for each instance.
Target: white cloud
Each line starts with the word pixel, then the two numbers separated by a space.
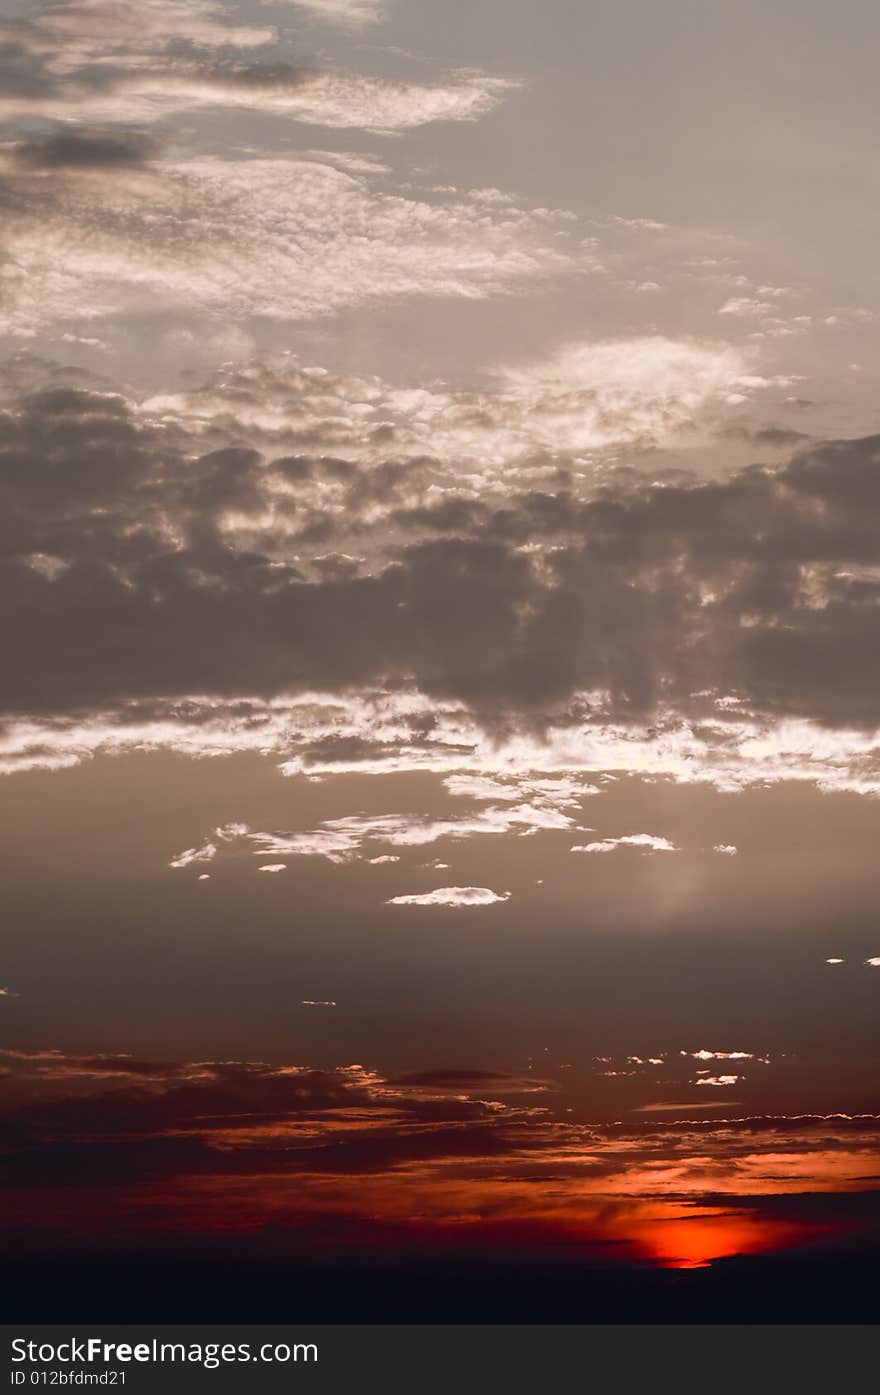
pixel 208 850
pixel 96 31
pixel 307 735
pixel 835 961
pixel 729 754
pixel 640 224
pixel 332 99
pixel 281 238
pixel 552 791
pixel 345 12
pixel 156 60
pixel 343 838
pixel 452 896
pixel 590 395
pixel 874 963
pixel 648 841
pixel 704 1055
pixel 717 1080
pixel 191 855
pixel 318 1002
pixel 744 307
pixel 586 397
pixel 727 849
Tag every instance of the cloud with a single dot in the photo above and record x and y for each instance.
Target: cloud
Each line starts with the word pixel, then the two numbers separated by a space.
pixel 76 31
pixel 302 734
pixel 83 149
pixel 549 791
pixel 116 62
pixel 74 56
pixel 273 867
pixel 717 1080
pixel 727 849
pixel 874 963
pixel 704 1055
pixel 639 224
pixel 743 307
pixel 342 1160
pixel 336 100
pixel 51 1064
pixel 476 1084
pixel 194 855
pixel 153 225
pixel 648 841
pixel 343 839
pixel 587 396
pixel 676 1107
pixel 835 961
pixel 144 62
pixel 452 896
pixel 348 13
pixel 719 631
pixel 280 237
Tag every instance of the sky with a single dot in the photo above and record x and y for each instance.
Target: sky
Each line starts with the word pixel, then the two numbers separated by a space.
pixel 439 734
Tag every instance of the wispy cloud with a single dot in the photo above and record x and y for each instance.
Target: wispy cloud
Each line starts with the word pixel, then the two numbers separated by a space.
pixel 348 13
pixel 205 853
pixel 119 61
pixel 332 99
pixel 284 238
pixel 550 807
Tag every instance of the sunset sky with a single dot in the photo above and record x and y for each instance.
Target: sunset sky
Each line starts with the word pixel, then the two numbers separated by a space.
pixel 440 624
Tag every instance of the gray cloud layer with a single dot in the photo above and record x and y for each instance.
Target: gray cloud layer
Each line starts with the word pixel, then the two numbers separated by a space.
pixel 137 566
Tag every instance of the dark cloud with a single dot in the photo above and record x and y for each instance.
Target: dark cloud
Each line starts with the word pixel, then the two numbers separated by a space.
pixel 224 1117
pixel 778 436
pixel 87 150
pixel 469 1082
pixel 23 74
pixel 325 1160
pixel 157 1095
pixel 124 577
pixel 261 77
pixel 772 435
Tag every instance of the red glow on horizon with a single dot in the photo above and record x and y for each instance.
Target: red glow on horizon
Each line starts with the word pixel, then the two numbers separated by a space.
pixel 695 1241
